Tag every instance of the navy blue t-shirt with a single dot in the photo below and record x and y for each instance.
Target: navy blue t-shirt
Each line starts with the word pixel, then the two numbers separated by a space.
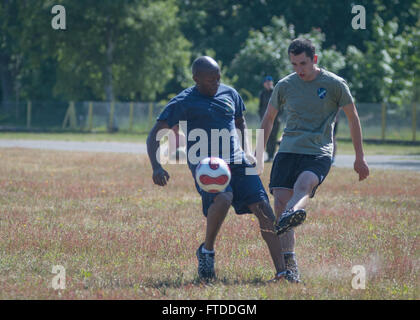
pixel 205 116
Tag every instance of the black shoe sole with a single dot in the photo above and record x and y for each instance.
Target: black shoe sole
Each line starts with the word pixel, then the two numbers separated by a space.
pixel 291 221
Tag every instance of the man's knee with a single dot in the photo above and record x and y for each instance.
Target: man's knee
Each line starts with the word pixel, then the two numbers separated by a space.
pixel 224 199
pixel 263 212
pixel 306 182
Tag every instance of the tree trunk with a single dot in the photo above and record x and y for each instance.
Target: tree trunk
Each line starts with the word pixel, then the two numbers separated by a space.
pixel 6 83
pixel 109 89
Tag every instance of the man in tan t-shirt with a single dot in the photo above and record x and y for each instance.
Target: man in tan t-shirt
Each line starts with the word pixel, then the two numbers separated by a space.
pixel 309 99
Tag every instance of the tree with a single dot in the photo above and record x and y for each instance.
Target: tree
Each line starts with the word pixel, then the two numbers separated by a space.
pixel 265 53
pixel 408 64
pixel 28 57
pixel 386 72
pixel 125 49
pixel 9 60
pixel 221 25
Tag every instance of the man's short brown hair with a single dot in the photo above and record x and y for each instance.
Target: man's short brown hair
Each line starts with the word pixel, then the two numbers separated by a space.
pixel 302 45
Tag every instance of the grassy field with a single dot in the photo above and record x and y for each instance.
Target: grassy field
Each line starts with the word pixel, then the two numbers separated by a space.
pixel 120 237
pixel 344 147
pixel 80 137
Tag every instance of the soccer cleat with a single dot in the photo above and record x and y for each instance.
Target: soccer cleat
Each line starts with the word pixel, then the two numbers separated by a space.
pixel 291 265
pixel 292 277
pixel 205 264
pixel 289 220
pixel 285 275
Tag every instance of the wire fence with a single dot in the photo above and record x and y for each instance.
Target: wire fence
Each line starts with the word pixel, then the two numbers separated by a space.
pixel 384 122
pixel 379 121
pixel 79 116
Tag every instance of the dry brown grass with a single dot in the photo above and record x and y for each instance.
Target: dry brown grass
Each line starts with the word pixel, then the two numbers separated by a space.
pixel 121 237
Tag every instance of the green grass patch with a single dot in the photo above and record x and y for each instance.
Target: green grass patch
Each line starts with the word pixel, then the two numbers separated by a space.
pixel 346 147
pixel 80 137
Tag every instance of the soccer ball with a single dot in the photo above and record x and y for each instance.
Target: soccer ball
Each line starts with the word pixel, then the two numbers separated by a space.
pixel 212 175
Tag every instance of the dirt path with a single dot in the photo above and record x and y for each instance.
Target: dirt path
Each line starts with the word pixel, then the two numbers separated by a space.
pixel 394 162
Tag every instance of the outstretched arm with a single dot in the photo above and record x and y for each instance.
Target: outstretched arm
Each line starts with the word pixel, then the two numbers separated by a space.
pixel 360 165
pixel 160 176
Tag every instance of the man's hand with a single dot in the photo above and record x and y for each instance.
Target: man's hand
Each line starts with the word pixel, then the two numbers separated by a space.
pixel 361 167
pixel 160 177
pixel 250 158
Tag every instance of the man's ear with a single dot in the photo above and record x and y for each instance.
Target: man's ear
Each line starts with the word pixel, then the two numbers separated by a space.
pixel 315 59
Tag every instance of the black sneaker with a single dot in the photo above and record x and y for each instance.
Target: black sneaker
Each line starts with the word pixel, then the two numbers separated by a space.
pixel 291 265
pixel 205 264
pixel 292 277
pixel 289 220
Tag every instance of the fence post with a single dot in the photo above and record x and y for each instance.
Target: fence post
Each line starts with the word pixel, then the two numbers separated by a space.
pixel 130 129
pixel 414 120
pixel 28 114
pixel 383 120
pixel 150 115
pixel 90 116
pixel 70 116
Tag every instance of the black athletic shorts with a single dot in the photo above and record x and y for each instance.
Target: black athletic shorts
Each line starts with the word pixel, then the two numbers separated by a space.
pixel 288 166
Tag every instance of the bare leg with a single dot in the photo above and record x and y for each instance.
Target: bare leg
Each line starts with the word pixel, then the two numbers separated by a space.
pixel 281 198
pixel 266 218
pixel 302 189
pixel 215 216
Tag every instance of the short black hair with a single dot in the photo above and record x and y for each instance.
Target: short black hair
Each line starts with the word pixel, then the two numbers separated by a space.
pixel 300 45
pixel 204 64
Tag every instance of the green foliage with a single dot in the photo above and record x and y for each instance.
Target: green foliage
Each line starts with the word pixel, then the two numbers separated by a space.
pixel 408 63
pixel 386 71
pixel 265 53
pixel 137 44
pixel 142 49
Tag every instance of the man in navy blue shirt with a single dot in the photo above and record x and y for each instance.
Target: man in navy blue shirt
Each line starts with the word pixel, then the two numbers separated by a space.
pixel 206 108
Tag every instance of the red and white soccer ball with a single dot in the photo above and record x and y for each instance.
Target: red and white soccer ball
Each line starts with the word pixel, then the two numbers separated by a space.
pixel 212 175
